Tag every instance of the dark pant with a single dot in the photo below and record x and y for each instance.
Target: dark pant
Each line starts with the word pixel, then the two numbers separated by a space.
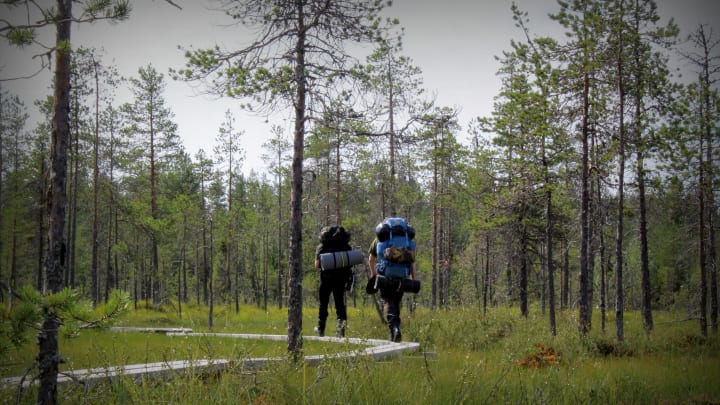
pixel 333 282
pixel 392 300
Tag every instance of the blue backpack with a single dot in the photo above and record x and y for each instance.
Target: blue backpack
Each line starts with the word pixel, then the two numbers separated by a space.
pixel 396 247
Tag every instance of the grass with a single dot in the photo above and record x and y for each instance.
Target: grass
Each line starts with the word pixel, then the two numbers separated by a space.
pixel 465 358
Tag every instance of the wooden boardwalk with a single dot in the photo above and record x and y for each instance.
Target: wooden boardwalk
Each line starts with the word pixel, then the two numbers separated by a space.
pixel 374 348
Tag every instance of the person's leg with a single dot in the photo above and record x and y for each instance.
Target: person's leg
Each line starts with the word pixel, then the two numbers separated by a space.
pixel 324 290
pixel 397 336
pixel 391 300
pixel 340 306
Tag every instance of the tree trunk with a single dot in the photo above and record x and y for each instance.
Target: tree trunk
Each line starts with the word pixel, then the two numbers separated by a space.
pixel 113 272
pixel 155 273
pixel 434 230
pixel 266 249
pixel 49 357
pixel 391 141
pixel 295 273
pixel 210 278
pixel 40 221
pixel 565 275
pixel 279 230
pixel 94 238
pixel 549 242
pixel 205 266
pixel 604 267
pixel 646 307
pixel 72 196
pixel 708 44
pixel 584 307
pixel 338 218
pixel 236 292
pixel 523 272
pixel 230 236
pixel 711 242
pixel 2 210
pixel 487 273
pixel 619 292
pixel 701 234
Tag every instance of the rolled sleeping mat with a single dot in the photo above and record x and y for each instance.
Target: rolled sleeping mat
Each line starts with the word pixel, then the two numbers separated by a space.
pixel 399 284
pixel 338 260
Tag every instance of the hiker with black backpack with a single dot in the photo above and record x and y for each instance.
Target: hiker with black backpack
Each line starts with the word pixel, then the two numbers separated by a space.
pixel 335 258
pixel 392 268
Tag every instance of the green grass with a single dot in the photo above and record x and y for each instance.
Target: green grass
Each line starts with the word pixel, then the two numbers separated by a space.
pixel 465 358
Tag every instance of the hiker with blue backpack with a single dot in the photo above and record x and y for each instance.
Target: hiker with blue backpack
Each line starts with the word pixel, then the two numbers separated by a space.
pixel 392 268
pixel 335 258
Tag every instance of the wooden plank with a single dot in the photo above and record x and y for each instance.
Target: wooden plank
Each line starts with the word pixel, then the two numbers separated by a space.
pixel 379 349
pixel 149 329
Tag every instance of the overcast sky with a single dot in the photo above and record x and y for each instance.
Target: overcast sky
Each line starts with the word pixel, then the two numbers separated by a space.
pixel 454 42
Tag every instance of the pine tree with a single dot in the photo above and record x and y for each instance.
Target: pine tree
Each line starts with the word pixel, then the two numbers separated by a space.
pixel 298 42
pixel 157 143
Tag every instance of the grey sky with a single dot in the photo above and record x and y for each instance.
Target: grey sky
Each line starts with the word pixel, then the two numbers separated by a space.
pixel 454 42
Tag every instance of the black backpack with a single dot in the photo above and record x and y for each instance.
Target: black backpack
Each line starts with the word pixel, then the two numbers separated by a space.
pixel 334 238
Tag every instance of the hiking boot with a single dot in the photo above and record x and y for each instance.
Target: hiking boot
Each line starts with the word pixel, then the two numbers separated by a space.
pixel 341 328
pixel 395 334
pixel 320 328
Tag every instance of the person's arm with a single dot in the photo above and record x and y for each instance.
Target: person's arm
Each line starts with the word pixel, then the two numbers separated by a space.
pixel 413 268
pixel 372 258
pixel 318 251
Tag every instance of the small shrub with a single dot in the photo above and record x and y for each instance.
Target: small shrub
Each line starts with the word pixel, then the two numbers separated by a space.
pixel 605 348
pixel 544 356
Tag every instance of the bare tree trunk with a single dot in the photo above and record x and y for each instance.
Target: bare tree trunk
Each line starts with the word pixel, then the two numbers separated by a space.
pixel 205 272
pixel 49 357
pixel 94 242
pixel 448 241
pixel 155 273
pixel 13 256
pixel 338 219
pixel 279 230
pixel 113 272
pixel 646 307
pixel 549 242
pixel 198 274
pixel 210 278
pixel 2 210
pixel 266 249
pixel 701 234
pixel 238 268
pixel 707 45
pixel 604 267
pixel 435 229
pixel 523 273
pixel 619 292
pixel 487 273
pixel 230 226
pixel 585 308
pixel 711 243
pixel 40 220
pixel 295 273
pixel 565 285
pixel 476 273
pixel 72 196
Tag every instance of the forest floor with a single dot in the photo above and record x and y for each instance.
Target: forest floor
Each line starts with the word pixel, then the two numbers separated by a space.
pixel 462 356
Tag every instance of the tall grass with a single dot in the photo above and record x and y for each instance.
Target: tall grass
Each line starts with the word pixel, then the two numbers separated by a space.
pixel 465 358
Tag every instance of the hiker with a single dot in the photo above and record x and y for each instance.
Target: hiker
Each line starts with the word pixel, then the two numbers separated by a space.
pixel 335 280
pixel 392 257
